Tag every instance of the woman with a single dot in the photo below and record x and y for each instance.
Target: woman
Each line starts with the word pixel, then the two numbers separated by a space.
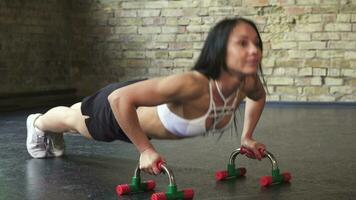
pixel 178 106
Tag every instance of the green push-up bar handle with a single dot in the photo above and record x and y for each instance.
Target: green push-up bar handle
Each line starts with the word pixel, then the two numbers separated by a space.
pixel 233 172
pixel 172 193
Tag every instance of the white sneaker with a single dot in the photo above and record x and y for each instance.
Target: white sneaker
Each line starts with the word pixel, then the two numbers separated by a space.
pixel 56 143
pixel 36 142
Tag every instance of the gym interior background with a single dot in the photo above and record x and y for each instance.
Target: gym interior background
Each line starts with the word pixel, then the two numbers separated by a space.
pixel 54 52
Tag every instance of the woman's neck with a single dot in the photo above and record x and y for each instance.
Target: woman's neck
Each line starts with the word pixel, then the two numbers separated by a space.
pixel 229 83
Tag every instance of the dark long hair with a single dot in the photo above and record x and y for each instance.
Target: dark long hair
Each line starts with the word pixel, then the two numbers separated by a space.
pixel 212 58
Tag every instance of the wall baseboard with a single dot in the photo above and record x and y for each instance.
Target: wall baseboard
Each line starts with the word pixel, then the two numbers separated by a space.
pixel 19 101
pixel 313 104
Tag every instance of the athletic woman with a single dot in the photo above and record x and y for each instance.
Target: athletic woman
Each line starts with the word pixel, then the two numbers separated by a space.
pixel 194 103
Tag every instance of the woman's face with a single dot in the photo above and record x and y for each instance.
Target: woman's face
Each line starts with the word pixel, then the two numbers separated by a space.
pixel 243 50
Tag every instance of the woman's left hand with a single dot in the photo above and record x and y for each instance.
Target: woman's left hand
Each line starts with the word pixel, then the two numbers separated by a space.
pixel 257 148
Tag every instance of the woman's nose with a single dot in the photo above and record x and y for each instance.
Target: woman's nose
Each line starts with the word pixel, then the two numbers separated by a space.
pixel 253 49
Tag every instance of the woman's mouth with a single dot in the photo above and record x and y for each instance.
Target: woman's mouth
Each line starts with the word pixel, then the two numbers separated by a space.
pixel 252 62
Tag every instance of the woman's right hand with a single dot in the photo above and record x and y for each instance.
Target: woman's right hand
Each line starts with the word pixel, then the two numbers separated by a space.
pixel 258 149
pixel 148 161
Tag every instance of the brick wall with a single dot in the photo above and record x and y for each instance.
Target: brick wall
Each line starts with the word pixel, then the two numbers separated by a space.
pixel 310 46
pixel 34 46
pixel 35 54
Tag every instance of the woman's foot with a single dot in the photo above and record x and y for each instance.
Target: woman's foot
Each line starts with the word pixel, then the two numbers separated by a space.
pixel 36 142
pixel 56 143
pixel 40 144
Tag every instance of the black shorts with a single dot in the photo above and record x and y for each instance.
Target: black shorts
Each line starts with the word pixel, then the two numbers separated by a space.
pixel 101 123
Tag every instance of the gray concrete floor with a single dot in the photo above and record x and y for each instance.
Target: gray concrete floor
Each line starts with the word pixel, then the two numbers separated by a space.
pixel 316 144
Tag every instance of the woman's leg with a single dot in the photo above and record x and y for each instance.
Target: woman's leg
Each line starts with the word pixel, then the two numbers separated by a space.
pixel 63 119
pixel 45 132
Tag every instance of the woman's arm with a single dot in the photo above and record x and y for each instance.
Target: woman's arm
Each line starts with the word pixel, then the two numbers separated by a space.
pixel 124 102
pixel 255 102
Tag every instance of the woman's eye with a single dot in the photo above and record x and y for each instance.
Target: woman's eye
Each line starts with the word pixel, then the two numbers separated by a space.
pixel 243 43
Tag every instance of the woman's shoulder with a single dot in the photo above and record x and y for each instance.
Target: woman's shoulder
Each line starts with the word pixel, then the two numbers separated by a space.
pixel 198 82
pixel 189 84
pixel 192 79
pixel 193 76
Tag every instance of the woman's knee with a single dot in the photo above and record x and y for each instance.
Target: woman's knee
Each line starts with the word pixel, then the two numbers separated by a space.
pixel 76 106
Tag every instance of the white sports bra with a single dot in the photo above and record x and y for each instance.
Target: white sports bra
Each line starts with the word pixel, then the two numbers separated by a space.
pixel 187 128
